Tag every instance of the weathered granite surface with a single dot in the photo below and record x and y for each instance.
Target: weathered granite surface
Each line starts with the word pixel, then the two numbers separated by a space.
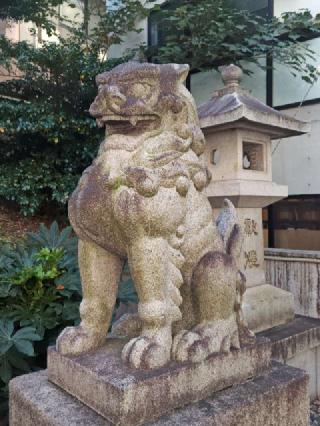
pixel 278 398
pixel 233 104
pixel 143 199
pixel 266 306
pixel 238 152
pixel 128 396
pixel 298 344
pixel 293 338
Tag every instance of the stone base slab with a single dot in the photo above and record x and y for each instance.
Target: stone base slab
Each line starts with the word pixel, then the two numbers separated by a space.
pixel 278 398
pixel 298 344
pixel 266 306
pixel 126 396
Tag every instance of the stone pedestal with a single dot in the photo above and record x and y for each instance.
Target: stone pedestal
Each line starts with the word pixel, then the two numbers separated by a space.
pixel 298 344
pixel 264 305
pixel 129 397
pixel 239 130
pixel 277 398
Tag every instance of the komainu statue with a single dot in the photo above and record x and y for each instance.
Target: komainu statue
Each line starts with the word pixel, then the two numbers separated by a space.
pixel 143 200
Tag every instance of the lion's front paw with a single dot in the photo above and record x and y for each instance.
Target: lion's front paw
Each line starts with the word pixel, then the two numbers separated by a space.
pixel 77 340
pixel 200 342
pixel 145 352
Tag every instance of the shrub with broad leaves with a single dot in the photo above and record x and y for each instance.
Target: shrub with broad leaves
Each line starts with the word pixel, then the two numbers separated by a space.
pixel 40 293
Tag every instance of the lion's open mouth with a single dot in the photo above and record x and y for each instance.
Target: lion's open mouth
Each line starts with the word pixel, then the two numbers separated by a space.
pixel 133 119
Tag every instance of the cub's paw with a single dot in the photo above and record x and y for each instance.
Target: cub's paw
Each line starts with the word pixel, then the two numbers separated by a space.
pixel 145 352
pixel 197 344
pixel 190 346
pixel 77 340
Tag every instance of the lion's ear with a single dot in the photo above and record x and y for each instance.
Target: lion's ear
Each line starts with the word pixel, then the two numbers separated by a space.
pixel 182 71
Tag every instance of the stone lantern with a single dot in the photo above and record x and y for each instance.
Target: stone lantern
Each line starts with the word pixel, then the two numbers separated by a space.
pixel 239 130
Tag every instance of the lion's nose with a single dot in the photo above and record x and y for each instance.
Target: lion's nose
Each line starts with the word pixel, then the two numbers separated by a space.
pixel 115 98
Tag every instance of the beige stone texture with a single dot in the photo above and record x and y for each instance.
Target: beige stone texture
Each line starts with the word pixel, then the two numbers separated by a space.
pixel 239 130
pixel 279 398
pixel 298 344
pixel 143 199
pixel 251 259
pixel 233 107
pixel 245 193
pixel 128 396
pixel 266 306
pixel 229 146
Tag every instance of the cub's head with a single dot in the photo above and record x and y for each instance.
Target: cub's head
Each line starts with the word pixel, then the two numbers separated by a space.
pixel 134 92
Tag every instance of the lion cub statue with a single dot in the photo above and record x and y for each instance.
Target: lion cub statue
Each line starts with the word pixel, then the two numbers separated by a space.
pixel 143 200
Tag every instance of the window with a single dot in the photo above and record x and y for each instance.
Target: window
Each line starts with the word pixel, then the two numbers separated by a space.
pixel 253 158
pixel 294 223
pixel 281 6
pixel 259 7
pixel 203 84
pixel 157 31
pixel 285 87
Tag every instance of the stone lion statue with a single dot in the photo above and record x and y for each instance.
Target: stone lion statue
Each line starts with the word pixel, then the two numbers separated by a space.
pixel 143 199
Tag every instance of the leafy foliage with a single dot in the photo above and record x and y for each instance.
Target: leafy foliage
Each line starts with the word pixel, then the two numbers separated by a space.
pixel 47 136
pixel 30 10
pixel 40 280
pixel 229 35
pixel 40 293
pixel 120 19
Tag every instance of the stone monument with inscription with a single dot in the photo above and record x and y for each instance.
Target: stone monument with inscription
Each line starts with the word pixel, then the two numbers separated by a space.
pixel 189 359
pixel 239 130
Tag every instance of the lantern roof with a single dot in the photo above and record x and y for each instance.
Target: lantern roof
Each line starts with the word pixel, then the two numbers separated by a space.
pixel 234 107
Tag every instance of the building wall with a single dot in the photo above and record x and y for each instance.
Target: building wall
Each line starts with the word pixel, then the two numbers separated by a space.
pixel 281 6
pixel 21 31
pixel 131 41
pixel 296 160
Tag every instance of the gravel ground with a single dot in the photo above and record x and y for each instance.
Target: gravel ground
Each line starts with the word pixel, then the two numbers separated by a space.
pixel 315 413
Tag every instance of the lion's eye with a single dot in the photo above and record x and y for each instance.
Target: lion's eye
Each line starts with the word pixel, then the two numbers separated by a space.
pixel 140 90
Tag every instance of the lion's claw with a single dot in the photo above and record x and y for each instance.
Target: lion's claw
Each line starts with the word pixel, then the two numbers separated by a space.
pixel 203 340
pixel 144 352
pixel 77 340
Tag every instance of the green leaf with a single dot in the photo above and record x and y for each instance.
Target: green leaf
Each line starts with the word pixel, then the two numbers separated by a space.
pixel 17 361
pixel 28 333
pixel 5 369
pixel 6 330
pixel 24 346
